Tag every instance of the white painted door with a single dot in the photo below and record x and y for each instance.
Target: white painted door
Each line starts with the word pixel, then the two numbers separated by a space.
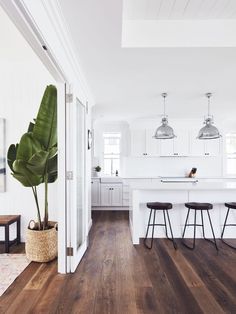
pixel 116 195
pixel 95 195
pixel 76 183
pixel 105 194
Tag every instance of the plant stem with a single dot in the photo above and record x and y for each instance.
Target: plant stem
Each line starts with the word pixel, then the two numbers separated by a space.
pixel 34 189
pixel 45 223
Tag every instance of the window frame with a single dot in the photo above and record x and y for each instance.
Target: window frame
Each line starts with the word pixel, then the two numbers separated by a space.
pixel 117 135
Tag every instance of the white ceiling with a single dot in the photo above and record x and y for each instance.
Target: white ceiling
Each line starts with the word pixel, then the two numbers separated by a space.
pixel 127 82
pixel 179 9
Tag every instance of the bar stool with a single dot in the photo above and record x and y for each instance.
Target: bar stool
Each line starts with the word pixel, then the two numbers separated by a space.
pixel 229 206
pixel 154 206
pixel 198 207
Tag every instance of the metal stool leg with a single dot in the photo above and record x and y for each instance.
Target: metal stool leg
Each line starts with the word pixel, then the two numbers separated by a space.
pixel 194 234
pixel 225 223
pixel 149 219
pixel 222 234
pixel 186 223
pixel 212 230
pixel 172 237
pixel 153 227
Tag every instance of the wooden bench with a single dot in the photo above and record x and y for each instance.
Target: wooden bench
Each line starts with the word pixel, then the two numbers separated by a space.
pixel 6 221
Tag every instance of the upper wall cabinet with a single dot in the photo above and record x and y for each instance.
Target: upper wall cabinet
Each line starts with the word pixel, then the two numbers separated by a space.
pixel 143 144
pixel 185 144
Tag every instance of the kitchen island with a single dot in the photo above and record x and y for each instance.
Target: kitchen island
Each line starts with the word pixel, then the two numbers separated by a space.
pixel 179 192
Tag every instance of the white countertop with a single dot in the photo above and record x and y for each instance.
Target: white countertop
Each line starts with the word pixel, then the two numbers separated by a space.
pixel 185 186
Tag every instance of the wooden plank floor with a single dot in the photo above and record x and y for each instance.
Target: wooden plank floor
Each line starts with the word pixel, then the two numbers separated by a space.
pixel 116 277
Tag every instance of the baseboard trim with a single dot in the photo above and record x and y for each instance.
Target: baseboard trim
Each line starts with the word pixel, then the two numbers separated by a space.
pixel 110 208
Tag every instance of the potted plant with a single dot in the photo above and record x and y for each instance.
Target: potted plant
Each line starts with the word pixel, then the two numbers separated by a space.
pixel 34 162
pixel 97 170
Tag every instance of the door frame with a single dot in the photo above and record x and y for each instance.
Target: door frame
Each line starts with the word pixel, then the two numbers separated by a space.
pixel 21 17
pixel 74 258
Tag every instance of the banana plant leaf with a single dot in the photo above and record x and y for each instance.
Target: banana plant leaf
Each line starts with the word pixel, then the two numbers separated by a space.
pixel 11 155
pixel 28 146
pixel 45 128
pixel 37 163
pixel 25 175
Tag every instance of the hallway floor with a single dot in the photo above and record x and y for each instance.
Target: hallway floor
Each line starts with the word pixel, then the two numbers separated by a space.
pixel 116 277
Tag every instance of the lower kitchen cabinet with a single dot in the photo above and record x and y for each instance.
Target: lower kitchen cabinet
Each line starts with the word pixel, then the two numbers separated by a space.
pixel 95 192
pixel 111 195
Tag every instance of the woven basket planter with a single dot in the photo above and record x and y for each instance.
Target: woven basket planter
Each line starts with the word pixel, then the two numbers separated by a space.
pixel 41 246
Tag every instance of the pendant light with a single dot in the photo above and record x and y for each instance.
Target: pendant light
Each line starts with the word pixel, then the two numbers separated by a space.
pixel 164 131
pixel 209 131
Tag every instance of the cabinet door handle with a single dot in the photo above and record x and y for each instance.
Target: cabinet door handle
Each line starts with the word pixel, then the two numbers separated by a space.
pixel 207 154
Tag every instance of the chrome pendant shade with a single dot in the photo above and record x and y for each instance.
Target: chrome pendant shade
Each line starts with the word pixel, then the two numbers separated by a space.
pixel 164 131
pixel 209 131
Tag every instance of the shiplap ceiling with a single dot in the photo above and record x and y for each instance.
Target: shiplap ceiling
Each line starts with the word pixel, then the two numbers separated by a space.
pixel 179 9
pixel 127 82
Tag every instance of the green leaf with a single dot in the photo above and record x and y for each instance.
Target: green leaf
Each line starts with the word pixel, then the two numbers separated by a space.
pixel 11 155
pixel 37 163
pixel 31 127
pixel 52 152
pixel 20 170
pixel 45 129
pixel 52 169
pixel 28 146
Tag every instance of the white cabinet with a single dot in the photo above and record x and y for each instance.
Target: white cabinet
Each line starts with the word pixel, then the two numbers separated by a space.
pixel 197 147
pixel 152 144
pixel 143 144
pixel 178 146
pixel 95 192
pixel 184 144
pixel 138 143
pixel 181 143
pixel 204 147
pixel 213 147
pixel 111 194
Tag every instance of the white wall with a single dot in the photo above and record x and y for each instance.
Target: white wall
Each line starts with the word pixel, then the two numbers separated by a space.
pixel 22 83
pixel 159 166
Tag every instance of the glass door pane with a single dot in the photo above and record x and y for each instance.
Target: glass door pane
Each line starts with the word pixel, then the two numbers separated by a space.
pixel 80 172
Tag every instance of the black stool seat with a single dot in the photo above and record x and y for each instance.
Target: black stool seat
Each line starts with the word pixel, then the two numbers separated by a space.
pixel 159 206
pixel 200 206
pixel 231 205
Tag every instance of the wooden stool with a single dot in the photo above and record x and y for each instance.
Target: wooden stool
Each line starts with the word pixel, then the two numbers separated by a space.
pixel 6 221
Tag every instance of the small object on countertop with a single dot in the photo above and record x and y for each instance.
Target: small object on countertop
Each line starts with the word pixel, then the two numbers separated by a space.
pixel 117 173
pixel 192 173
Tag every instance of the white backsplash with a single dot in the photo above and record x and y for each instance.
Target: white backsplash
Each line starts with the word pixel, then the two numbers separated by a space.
pixel 171 166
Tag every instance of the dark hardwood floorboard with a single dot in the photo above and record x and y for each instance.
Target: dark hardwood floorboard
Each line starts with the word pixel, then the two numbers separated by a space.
pixel 115 277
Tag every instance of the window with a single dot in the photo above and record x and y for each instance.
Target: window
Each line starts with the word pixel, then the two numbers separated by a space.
pixel 111 153
pixel 231 153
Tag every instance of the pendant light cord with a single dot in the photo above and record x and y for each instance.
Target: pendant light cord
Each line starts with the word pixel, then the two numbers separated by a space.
pixel 164 102
pixel 208 106
pixel 208 96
